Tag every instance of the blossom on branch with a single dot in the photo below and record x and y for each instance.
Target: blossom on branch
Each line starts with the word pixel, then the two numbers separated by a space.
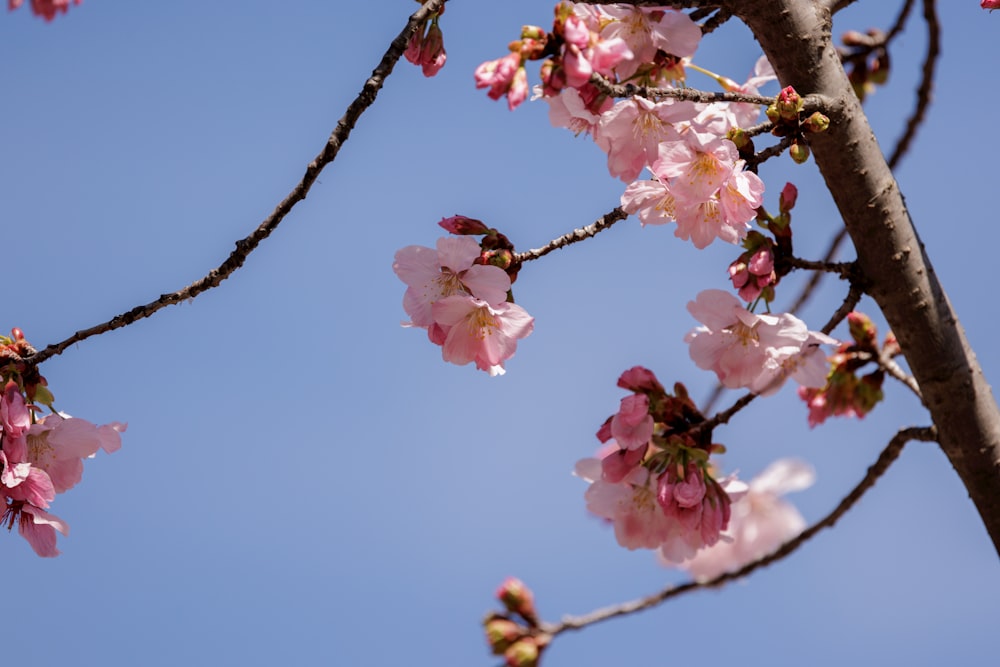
pixel 759 523
pixel 40 456
pixel 756 352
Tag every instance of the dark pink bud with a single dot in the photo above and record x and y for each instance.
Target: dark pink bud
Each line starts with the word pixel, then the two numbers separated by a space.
pixel 463 226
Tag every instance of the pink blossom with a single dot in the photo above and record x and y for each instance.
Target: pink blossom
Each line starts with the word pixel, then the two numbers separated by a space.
pixel 498 75
pixel 646 30
pixel 701 163
pixel 571 110
pixel 632 426
pixel 477 331
pixel 37 526
pixel 990 4
pixel 652 200
pixel 760 522
pixel 747 350
pixel 633 129
pixel 58 444
pixel 629 504
pixel 751 275
pixel 699 504
pixel 432 53
pixel 47 9
pixel 741 195
pixel 431 275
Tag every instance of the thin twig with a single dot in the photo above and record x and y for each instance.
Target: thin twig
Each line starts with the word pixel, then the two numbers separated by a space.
pixel 850 303
pixel 716 21
pixel 926 87
pixel 574 236
pixel 769 152
pixel 885 459
pixel 245 246
pixel 688 94
pixel 842 269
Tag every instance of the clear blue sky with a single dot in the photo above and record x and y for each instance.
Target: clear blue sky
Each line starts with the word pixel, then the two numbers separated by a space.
pixel 305 482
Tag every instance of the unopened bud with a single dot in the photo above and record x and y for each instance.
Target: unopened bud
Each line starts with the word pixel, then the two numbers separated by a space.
pixel 517 598
pixel 533 32
pixel 789 195
pixel 799 152
pixel 862 330
pixel 17 334
pixel 739 137
pixel 789 104
pixel 501 258
pixel 501 633
pixel 880 69
pixel 817 122
pixel 463 226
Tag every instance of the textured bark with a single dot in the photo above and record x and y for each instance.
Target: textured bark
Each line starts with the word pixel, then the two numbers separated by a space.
pixel 795 35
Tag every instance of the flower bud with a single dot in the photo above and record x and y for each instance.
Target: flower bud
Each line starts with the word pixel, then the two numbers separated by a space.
pixel 799 152
pixel 789 104
pixel 817 122
pixel 517 598
pixel 522 653
pixel 862 330
pixel 501 633
pixel 789 195
pixel 463 226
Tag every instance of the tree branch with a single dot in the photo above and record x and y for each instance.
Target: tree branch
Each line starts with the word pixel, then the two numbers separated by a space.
pixel 877 469
pixel 247 245
pixel 593 229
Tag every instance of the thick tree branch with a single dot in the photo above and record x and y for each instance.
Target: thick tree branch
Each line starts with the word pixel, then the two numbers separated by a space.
pixel 247 245
pixel 891 256
pixel 885 459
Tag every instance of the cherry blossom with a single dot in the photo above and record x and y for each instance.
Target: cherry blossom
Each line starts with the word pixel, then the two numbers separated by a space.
pixel 633 129
pixel 646 30
pixel 757 352
pixel 479 332
pixel 760 521
pixel 433 274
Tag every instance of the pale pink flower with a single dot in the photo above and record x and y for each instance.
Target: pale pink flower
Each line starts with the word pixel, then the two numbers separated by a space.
pixel 480 332
pixel 58 444
pixel 740 196
pixel 569 109
pixel 699 163
pixel 24 482
pixel 629 504
pixel 37 526
pixel 704 221
pixel 633 129
pixel 15 419
pixel 646 30
pixel 433 274
pixel 990 4
pixel 518 91
pixel 632 425
pixel 652 200
pixel 760 522
pixel 742 348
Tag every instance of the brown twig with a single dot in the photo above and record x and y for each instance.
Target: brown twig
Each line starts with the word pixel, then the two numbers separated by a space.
pixel 688 94
pixel 885 459
pixel 246 245
pixel 850 303
pixel 574 236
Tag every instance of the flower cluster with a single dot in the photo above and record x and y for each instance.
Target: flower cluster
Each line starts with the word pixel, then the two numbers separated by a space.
pixel 463 300
pixel 653 480
pixel 760 521
pixel 844 393
pixel 755 352
pixel 41 456
pixel 515 633
pixel 47 9
pixel 426 46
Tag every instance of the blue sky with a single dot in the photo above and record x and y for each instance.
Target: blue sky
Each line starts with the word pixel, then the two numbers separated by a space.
pixel 305 482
